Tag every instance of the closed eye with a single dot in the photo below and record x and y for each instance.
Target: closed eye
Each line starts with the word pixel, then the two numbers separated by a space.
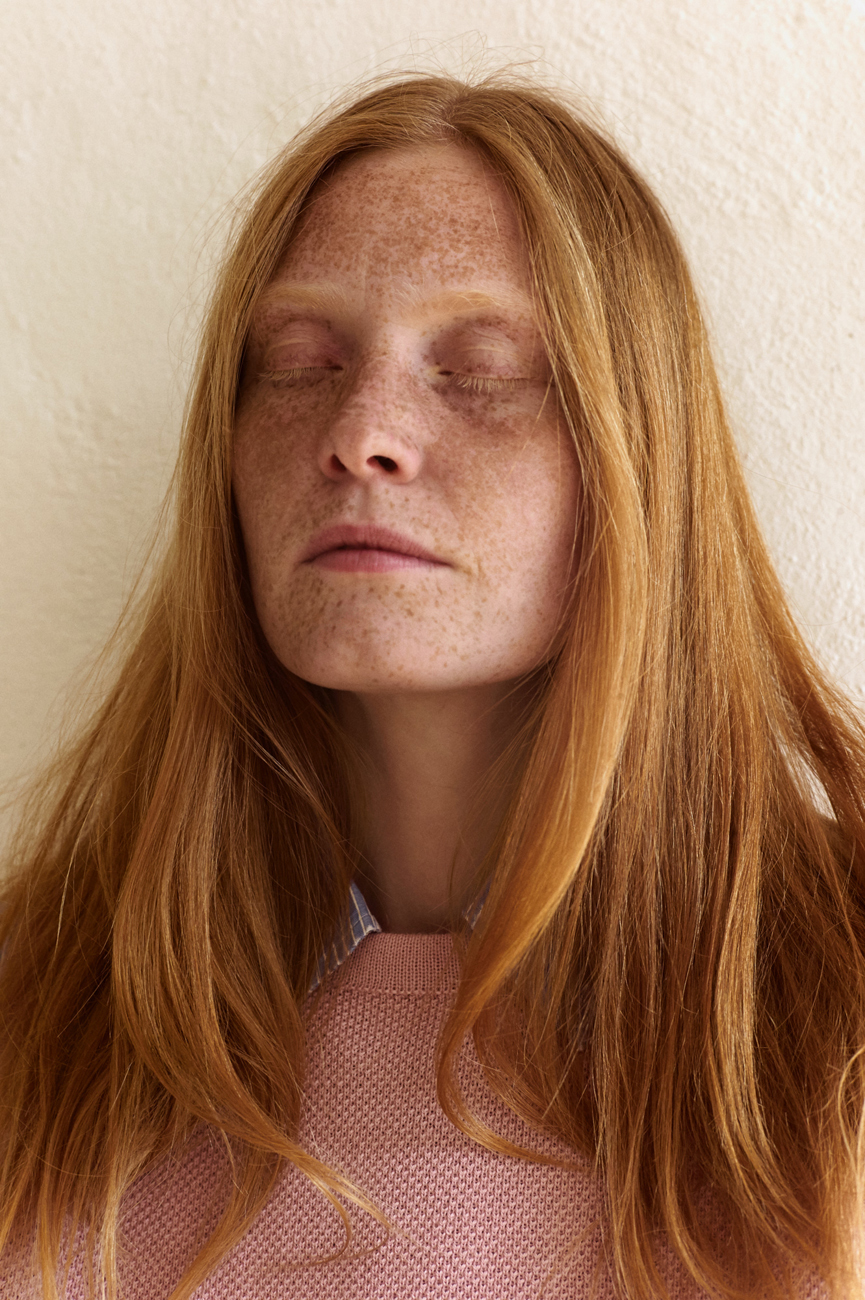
pixel 481 383
pixel 293 373
pixel 473 383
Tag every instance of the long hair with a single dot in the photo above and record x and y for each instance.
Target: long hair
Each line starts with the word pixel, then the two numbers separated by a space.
pixel 669 969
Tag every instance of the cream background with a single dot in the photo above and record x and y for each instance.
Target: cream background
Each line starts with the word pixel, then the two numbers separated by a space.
pixel 126 129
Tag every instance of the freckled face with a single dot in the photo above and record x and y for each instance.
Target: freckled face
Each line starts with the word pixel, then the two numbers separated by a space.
pixel 395 379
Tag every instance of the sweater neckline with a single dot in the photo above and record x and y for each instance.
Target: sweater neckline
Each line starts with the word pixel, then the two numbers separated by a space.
pixel 390 963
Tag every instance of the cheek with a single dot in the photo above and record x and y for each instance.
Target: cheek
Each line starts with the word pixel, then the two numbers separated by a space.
pixel 519 489
pixel 251 481
pixel 266 433
pixel 270 470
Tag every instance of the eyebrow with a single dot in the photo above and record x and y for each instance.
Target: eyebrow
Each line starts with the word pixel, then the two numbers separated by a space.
pixel 325 296
pixel 322 297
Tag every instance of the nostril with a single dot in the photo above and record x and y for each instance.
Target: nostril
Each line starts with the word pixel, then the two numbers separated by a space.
pixel 386 463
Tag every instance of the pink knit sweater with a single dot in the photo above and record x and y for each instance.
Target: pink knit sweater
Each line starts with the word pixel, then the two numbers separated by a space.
pixel 472 1225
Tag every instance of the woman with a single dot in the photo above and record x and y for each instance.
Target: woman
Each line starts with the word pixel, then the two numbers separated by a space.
pixel 460 890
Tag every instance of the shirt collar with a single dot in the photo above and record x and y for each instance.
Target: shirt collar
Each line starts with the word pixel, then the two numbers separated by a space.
pixel 357 923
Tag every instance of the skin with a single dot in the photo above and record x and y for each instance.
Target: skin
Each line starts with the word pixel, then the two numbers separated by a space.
pixel 395 375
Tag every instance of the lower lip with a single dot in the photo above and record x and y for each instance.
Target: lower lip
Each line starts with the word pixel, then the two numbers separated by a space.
pixel 366 560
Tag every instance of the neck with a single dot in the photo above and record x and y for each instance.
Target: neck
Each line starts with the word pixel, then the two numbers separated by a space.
pixel 429 821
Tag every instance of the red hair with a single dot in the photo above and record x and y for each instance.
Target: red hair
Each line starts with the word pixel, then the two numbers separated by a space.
pixel 669 971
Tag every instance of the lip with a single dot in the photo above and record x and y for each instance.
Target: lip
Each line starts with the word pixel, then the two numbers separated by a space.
pixel 379 541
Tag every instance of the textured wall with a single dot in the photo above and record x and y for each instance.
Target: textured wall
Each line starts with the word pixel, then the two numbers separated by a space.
pixel 127 127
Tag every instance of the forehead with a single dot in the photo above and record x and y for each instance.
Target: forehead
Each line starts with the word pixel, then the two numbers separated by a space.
pixel 425 216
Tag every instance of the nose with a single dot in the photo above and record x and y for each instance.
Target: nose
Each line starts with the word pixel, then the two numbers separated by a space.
pixel 376 434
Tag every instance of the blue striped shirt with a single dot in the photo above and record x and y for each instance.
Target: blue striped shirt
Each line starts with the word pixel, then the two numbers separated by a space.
pixel 357 923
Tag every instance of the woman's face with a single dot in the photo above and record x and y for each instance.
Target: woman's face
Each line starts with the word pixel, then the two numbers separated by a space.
pixel 405 483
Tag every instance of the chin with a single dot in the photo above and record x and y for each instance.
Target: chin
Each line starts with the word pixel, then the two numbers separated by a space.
pixel 372 681
pixel 385 677
pixel 369 665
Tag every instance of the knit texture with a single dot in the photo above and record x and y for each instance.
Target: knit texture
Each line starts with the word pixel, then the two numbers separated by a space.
pixel 472 1225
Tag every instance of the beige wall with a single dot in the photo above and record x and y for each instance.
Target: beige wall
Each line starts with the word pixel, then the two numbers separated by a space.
pixel 126 127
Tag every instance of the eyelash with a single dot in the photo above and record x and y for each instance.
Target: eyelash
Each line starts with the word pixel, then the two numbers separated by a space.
pixel 473 383
pixel 483 383
pixel 295 372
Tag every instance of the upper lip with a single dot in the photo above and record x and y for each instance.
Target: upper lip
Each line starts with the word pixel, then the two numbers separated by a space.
pixel 368 537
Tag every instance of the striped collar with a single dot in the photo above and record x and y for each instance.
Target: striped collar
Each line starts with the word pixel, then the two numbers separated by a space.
pixel 357 923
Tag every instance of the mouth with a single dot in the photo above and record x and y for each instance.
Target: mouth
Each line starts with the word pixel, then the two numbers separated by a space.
pixel 367 548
